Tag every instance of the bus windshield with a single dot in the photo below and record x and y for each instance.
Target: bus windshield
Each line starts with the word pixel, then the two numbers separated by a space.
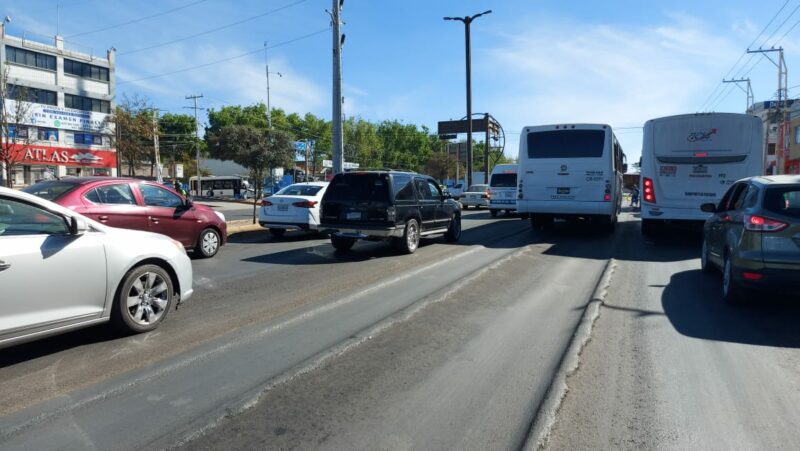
pixel 566 144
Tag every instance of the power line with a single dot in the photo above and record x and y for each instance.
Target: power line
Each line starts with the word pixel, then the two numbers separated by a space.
pixel 744 53
pixel 139 19
pixel 202 33
pixel 186 69
pixel 780 26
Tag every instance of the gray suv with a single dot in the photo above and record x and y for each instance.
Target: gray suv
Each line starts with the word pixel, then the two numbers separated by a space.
pixel 387 205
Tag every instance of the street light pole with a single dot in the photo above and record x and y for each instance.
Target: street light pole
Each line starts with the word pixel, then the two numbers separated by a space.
pixel 467 20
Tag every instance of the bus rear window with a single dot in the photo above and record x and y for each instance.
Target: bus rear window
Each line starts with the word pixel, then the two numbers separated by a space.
pixel 566 144
pixel 783 201
pixel 503 181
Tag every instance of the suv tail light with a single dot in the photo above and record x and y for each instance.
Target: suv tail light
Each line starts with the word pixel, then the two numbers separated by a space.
pixel 391 214
pixel 487 194
pixel 757 223
pixel 649 191
pixel 305 204
pixel 265 203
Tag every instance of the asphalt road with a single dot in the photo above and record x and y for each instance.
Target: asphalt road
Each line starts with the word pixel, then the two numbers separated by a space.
pixel 670 366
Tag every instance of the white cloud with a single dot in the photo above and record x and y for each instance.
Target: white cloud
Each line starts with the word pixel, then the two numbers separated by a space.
pixel 562 71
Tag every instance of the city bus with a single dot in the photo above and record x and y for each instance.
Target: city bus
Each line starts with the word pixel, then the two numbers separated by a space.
pixel 571 171
pixel 232 187
pixel 692 159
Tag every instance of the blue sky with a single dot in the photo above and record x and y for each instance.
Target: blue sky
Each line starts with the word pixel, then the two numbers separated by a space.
pixel 534 62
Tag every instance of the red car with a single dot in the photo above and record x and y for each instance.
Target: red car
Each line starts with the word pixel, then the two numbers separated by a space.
pixel 140 205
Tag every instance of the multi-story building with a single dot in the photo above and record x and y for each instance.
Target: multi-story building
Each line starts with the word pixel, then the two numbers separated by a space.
pixel 68 99
pixel 781 140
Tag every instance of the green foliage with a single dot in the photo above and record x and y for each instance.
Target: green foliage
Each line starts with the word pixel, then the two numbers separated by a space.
pixel 133 118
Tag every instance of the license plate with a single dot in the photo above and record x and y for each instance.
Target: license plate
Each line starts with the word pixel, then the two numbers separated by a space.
pixel 283 207
pixel 353 215
pixel 507 194
pixel 562 190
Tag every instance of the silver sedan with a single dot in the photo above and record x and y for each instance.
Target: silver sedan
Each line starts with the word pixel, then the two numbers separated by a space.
pixel 61 271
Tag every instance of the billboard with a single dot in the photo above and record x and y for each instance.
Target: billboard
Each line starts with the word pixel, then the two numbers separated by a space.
pixel 36 154
pixel 63 118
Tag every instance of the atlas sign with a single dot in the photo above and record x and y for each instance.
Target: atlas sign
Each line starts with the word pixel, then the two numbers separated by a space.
pixel 66 156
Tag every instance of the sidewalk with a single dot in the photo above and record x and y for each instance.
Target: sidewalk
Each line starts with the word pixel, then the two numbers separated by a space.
pixel 243 225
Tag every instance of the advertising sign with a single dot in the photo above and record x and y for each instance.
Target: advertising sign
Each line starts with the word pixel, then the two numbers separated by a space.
pixel 36 154
pixel 63 118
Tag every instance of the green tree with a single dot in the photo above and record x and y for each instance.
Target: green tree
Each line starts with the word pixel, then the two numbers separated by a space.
pixel 133 119
pixel 256 149
pixel 177 141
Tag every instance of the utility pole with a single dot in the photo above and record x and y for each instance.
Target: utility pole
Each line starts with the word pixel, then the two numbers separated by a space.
pixel 306 168
pixel 336 119
pixel 199 187
pixel 159 179
pixel 486 152
pixel 781 109
pixel 267 73
pixel 748 91
pixel 467 20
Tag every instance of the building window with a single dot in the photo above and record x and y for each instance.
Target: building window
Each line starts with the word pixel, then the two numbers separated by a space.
pixel 48 134
pixel 29 58
pixel 797 135
pixel 17 132
pixel 33 95
pixel 771 149
pixel 85 70
pixel 87 103
pixel 88 139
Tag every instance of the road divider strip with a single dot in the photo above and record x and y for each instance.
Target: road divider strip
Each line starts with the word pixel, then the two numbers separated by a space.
pixel 243 225
pixel 546 416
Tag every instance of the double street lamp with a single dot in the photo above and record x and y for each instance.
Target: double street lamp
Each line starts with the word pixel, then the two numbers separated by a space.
pixel 467 20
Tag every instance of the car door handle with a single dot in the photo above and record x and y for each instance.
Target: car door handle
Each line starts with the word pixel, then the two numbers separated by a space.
pixel 154 219
pixel 4 265
pixel 102 218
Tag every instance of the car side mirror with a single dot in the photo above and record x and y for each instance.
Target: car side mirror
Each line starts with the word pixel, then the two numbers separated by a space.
pixel 78 226
pixel 448 195
pixel 188 202
pixel 709 208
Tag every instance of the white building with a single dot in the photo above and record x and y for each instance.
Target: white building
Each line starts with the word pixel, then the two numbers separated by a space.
pixel 71 98
pixel 772 131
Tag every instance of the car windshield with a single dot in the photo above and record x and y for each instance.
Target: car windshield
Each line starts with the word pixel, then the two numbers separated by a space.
pixel 50 190
pixel 783 200
pixel 300 190
pixel 359 186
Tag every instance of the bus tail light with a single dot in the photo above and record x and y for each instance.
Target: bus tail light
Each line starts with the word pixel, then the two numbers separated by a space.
pixel 607 197
pixel 757 223
pixel 649 191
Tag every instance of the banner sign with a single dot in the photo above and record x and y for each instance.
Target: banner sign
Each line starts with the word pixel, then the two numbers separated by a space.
pixel 37 154
pixel 62 118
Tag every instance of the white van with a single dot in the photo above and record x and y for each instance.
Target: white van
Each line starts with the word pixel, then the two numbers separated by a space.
pixel 570 171
pixel 692 159
pixel 503 189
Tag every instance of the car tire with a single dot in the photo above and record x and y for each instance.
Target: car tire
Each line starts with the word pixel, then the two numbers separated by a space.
pixel 143 299
pixel 208 243
pixel 732 292
pixel 342 243
pixel 705 265
pixel 409 243
pixel 493 213
pixel 453 233
pixel 277 232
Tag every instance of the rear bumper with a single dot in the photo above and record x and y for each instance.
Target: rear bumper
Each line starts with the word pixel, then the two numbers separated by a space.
pixel 772 280
pixel 503 204
pixel 565 207
pixel 362 231
pixel 287 225
pixel 657 212
pixel 474 202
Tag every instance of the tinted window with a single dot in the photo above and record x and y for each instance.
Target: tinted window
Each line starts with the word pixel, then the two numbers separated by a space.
pixel 300 190
pixel 19 218
pixel 504 180
pixel 434 189
pixel 359 186
pixel 402 187
pixel 732 197
pixel 50 190
pixel 120 194
pixel 422 189
pixel 155 196
pixel 566 144
pixel 783 201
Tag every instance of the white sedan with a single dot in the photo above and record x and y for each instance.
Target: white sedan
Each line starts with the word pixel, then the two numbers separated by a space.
pixel 293 207
pixel 61 271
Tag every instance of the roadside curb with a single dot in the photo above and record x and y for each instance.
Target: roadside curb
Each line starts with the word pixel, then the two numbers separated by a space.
pixel 244 225
pixel 545 418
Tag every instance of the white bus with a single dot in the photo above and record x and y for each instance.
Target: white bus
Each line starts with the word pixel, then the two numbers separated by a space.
pixel 692 159
pixel 571 171
pixel 229 187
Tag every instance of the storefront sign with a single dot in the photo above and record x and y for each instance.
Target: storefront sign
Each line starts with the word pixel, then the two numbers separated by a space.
pixel 63 118
pixel 66 156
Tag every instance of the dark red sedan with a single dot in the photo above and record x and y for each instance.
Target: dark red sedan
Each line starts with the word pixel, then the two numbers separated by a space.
pixel 140 205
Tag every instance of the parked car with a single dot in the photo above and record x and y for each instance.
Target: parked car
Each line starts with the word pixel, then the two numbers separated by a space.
pixel 387 205
pixel 476 196
pixel 753 236
pixel 456 190
pixel 61 271
pixel 139 205
pixel 293 207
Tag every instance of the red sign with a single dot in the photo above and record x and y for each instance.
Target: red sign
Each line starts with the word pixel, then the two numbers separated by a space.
pixel 66 156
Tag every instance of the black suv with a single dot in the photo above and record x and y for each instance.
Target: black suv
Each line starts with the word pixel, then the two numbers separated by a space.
pixel 377 205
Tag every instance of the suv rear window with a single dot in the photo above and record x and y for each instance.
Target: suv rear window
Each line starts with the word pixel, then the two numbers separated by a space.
pixel 783 201
pixel 50 190
pixel 566 144
pixel 503 181
pixel 359 186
